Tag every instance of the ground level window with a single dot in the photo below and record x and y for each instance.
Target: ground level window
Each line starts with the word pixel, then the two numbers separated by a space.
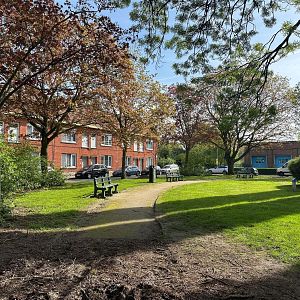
pixel 68 160
pixel 93 160
pixel 128 161
pixel 13 133
pixel 149 161
pixel 106 160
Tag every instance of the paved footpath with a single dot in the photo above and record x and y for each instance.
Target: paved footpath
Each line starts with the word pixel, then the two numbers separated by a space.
pixel 129 214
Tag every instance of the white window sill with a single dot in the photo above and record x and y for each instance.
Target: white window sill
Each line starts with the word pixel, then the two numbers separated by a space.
pixel 93 147
pixel 85 147
pixel 106 145
pixel 68 167
pixel 68 142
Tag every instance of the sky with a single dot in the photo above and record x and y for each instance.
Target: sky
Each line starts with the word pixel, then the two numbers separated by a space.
pixel 287 67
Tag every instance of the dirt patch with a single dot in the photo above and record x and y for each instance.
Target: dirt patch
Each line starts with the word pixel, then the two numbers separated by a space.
pixel 72 265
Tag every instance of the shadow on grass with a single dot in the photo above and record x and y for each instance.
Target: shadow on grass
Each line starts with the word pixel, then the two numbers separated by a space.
pixel 64 247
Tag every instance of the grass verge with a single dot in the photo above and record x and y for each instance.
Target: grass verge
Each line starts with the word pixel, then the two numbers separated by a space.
pixel 58 208
pixel 262 214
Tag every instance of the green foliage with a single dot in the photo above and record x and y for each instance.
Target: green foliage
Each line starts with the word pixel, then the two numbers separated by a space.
pixel 202 157
pixel 169 154
pixel 53 178
pixel 294 167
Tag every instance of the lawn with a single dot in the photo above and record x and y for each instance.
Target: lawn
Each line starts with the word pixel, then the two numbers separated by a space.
pixel 262 214
pixel 58 208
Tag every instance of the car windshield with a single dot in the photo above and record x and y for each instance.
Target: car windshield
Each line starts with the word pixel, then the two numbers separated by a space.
pixel 167 167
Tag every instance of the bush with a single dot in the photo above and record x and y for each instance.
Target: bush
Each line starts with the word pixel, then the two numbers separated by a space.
pixel 294 167
pixel 53 178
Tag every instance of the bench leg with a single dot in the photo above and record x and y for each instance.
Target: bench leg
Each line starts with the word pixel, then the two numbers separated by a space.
pixel 109 190
pixel 103 194
pixel 116 190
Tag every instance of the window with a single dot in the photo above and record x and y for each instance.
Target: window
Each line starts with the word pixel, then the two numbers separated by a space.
pixel 136 162
pixel 106 160
pixel 69 137
pixel 135 146
pixel 149 161
pixel 93 141
pixel 149 145
pixel 13 133
pixel 128 160
pixel 1 127
pixel 85 140
pixel 68 160
pixel 32 133
pixel 141 147
pixel 106 140
pixel 84 161
pixel 93 160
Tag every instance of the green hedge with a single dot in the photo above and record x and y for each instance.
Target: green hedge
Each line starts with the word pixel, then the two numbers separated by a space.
pixel 266 171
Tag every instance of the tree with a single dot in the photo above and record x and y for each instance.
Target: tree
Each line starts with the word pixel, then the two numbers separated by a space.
pixel 191 125
pixel 36 36
pixel 61 98
pixel 244 119
pixel 205 33
pixel 132 107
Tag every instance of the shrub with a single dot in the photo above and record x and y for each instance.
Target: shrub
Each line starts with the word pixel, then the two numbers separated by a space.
pixel 53 178
pixel 294 167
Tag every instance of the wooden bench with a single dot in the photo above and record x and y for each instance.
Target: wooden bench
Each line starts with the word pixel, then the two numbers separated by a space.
pixel 106 186
pixel 173 176
pixel 244 173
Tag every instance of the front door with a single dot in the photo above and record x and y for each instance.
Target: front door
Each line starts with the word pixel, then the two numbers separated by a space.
pixel 259 161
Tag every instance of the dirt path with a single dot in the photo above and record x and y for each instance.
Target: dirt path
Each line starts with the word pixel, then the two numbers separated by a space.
pixel 128 215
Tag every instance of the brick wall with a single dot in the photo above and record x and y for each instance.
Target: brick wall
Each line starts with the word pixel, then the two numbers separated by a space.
pixel 58 147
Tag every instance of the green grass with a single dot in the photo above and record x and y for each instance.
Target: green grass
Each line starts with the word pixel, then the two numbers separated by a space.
pixel 59 208
pixel 264 214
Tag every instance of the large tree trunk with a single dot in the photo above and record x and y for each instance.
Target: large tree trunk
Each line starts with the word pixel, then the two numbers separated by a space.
pixel 186 160
pixel 230 163
pixel 44 153
pixel 124 152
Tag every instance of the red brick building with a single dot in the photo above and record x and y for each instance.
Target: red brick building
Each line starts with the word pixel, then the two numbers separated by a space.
pixel 84 146
pixel 273 154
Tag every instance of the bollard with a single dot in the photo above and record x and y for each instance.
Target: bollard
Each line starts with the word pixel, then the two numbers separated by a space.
pixel 294 183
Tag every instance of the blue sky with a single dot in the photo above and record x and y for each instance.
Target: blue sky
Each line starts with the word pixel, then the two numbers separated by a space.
pixel 287 66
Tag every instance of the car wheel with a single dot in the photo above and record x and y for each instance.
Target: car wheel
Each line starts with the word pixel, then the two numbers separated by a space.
pixel 89 176
pixel 224 173
pixel 138 173
pixel 209 172
pixel 280 173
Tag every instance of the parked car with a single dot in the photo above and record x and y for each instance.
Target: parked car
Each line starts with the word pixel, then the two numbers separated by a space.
pixel 130 170
pixel 217 170
pixel 92 171
pixel 146 171
pixel 284 170
pixel 169 168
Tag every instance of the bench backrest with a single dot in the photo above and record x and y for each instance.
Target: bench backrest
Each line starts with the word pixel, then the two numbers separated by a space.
pixel 102 181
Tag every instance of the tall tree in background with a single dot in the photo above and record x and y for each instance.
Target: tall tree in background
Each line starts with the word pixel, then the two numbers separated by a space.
pixel 244 119
pixel 62 97
pixel 36 36
pixel 191 125
pixel 132 107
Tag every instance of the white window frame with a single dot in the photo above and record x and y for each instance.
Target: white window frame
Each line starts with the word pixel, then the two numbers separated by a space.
pixel 149 143
pixel 135 146
pixel 149 161
pixel 93 141
pixel 128 161
pixel 67 160
pixel 106 160
pixel 106 140
pixel 35 135
pixel 87 161
pixel 141 147
pixel 93 160
pixel 10 138
pixel 84 140
pixel 66 137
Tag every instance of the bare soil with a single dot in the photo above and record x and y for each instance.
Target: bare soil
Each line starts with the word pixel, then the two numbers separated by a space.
pixel 102 261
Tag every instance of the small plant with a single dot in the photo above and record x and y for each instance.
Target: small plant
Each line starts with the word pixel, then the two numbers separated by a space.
pixel 294 167
pixel 53 178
